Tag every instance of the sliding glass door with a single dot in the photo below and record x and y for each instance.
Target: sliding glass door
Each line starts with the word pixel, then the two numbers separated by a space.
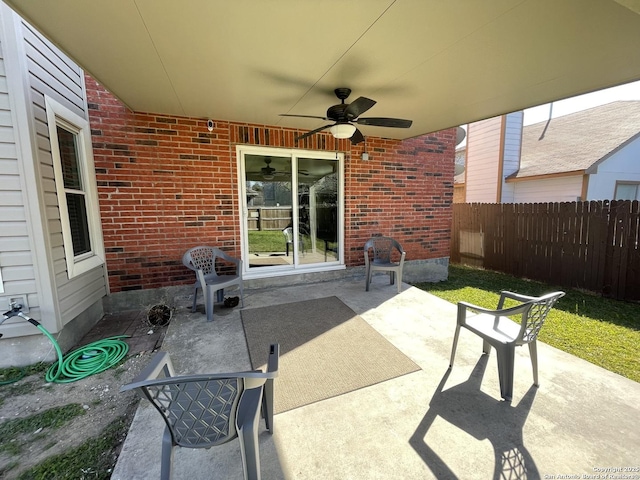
pixel 291 212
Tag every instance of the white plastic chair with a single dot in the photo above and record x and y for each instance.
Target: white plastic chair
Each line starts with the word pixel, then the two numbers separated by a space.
pixel 202 411
pixel 383 248
pixel 202 260
pixel 288 238
pixel 499 331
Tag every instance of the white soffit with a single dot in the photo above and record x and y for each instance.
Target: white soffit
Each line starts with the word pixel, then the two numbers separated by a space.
pixel 438 63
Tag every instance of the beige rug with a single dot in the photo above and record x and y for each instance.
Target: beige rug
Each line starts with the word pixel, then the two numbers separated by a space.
pixel 325 350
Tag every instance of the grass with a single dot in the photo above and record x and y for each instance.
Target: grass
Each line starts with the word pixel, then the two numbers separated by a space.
pixel 10 376
pixel 93 459
pixel 12 431
pixel 267 241
pixel 602 331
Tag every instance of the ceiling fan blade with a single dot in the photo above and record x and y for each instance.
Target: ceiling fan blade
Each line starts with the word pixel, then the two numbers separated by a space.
pixel 384 122
pixel 302 116
pixel 358 107
pixel 357 137
pixel 308 134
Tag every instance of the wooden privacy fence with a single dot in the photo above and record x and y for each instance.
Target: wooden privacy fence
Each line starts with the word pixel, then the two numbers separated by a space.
pixel 590 245
pixel 269 218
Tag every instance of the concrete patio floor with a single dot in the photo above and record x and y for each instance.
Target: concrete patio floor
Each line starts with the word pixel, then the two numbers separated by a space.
pixel 433 423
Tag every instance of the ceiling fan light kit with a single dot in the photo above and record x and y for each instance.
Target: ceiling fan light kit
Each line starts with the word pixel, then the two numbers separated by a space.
pixel 268 171
pixel 344 115
pixel 342 130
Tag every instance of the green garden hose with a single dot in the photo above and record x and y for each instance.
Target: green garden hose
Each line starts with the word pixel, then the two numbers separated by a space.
pixel 83 362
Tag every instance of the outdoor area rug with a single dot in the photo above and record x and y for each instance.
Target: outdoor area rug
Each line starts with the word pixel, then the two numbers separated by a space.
pixel 325 350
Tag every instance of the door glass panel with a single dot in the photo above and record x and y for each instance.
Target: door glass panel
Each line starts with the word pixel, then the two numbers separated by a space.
pixel 318 210
pixel 269 211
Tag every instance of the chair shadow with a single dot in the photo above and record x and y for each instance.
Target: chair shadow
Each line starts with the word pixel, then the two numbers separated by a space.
pixel 482 417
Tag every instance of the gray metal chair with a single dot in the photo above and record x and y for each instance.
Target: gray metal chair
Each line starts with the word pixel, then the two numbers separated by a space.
pixel 203 260
pixel 202 411
pixel 382 259
pixel 499 331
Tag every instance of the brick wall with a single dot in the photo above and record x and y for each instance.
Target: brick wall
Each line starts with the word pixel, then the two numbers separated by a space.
pixel 166 184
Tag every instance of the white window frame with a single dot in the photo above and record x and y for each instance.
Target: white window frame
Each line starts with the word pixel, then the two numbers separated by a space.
pixel 60 116
pixel 294 154
pixel 627 183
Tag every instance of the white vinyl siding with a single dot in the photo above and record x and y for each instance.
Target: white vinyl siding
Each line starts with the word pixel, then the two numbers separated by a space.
pixel 483 160
pixel 556 189
pixel 32 255
pixel 57 87
pixel 17 276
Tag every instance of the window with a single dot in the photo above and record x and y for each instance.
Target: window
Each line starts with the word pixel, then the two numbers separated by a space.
pixel 626 191
pixel 76 188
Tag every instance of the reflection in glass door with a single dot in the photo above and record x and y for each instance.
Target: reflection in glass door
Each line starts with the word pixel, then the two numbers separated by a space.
pixel 283 230
pixel 318 209
pixel 269 218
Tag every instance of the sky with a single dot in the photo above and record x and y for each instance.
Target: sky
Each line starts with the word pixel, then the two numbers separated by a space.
pixel 629 91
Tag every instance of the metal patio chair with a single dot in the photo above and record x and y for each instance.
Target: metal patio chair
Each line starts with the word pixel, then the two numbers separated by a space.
pixel 203 411
pixel 499 331
pixel 382 260
pixel 202 260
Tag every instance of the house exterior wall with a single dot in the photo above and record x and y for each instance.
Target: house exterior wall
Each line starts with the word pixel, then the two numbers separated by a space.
pixel 511 153
pixel 484 146
pixel 459 193
pixel 166 184
pixel 623 165
pixel 17 269
pixel 32 258
pixel 52 73
pixel 553 189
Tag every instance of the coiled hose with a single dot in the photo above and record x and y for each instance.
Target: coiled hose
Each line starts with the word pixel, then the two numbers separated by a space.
pixel 83 362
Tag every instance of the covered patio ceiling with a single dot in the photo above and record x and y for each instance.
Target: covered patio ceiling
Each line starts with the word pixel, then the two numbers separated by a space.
pixel 439 63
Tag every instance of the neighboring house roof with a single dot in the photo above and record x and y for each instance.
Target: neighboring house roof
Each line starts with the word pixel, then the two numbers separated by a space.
pixel 576 142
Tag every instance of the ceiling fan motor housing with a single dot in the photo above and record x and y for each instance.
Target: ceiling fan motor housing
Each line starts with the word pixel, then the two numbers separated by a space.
pixel 336 113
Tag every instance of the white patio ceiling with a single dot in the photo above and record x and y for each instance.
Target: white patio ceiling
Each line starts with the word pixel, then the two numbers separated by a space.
pixel 440 63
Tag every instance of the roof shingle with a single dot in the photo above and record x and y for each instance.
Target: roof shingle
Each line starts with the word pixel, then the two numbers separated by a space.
pixel 577 141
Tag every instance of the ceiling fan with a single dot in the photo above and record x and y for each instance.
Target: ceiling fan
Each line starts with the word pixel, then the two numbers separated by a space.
pixel 346 114
pixel 268 171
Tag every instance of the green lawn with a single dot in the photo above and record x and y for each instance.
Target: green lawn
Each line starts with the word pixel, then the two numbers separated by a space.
pixel 603 331
pixel 274 241
pixel 266 241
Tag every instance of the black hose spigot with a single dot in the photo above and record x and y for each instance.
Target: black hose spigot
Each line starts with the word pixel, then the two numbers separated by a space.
pixel 16 309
